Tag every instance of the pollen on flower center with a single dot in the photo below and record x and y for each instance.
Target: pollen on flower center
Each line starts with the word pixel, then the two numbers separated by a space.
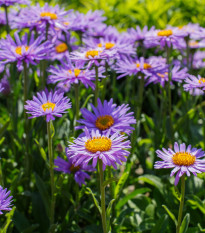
pixel 167 32
pixel 183 159
pixel 91 53
pixel 109 45
pixel 162 75
pixel 48 105
pixel 98 144
pixel 74 169
pixel 104 122
pixel 61 48
pixel 76 72
pixel 145 66
pixel 193 43
pixel 19 49
pixel 201 81
pixel 49 14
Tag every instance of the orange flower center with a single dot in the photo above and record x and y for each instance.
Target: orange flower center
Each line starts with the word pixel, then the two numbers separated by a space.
pixel 202 81
pixel 98 144
pixel 183 159
pixel 48 105
pixel 76 72
pixel 109 45
pixel 61 48
pixel 49 14
pixel 74 169
pixel 104 122
pixel 145 66
pixel 167 32
pixel 66 23
pixel 91 53
pixel 162 75
pixel 193 43
pixel 19 49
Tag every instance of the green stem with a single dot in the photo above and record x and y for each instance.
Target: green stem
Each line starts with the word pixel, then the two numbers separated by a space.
pixel 140 97
pixel 104 81
pixel 7 19
pixel 77 104
pixel 181 203
pixel 187 51
pixel 51 168
pixel 96 86
pixel 169 93
pixel 102 190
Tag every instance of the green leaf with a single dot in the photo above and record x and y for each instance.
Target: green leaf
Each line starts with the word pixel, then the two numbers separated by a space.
pixel 161 225
pixel 43 191
pixel 31 228
pixel 52 129
pixel 5 126
pixel 171 215
pixel 9 216
pixel 108 214
pixel 197 203
pixel 110 180
pixel 42 152
pixel 95 200
pixel 200 228
pixel 133 194
pixel 120 183
pixel 86 101
pixel 185 224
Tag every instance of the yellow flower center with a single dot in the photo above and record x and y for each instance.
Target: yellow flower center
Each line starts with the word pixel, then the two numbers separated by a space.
pixel 98 144
pixel 167 32
pixel 74 169
pixel 162 75
pixel 19 49
pixel 183 159
pixel 180 27
pixel 61 48
pixel 100 45
pixel 48 105
pixel 193 43
pixel 76 72
pixel 49 14
pixel 109 45
pixel 66 23
pixel 91 53
pixel 202 81
pixel 145 66
pixel 104 122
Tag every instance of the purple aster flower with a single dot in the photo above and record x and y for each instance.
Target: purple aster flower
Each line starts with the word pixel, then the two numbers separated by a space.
pixel 1 88
pixel 12 2
pixel 169 36
pixel 198 60
pixel 192 82
pixel 94 146
pixel 148 67
pixel 5 83
pixel 193 31
pixel 69 167
pixel 72 73
pixel 47 104
pixel 5 200
pixel 183 160
pixel 21 50
pixel 177 74
pixel 2 18
pixel 108 117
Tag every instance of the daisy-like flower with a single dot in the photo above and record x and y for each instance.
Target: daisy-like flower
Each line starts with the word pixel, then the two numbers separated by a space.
pixel 183 160
pixel 111 149
pixel 148 67
pixel 177 74
pixel 198 60
pixel 79 171
pixel 12 2
pixel 108 117
pixel 73 73
pixel 193 31
pixel 169 36
pixel 21 50
pixel 192 82
pixel 5 200
pixel 47 104
pixel 1 88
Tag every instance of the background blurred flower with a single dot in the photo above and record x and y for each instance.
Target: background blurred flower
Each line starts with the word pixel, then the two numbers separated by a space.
pixel 5 200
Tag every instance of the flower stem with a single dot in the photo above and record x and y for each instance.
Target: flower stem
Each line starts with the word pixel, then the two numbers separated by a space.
pixel 102 190
pixel 77 104
pixel 7 19
pixel 96 85
pixel 181 204
pixel 51 166
pixel 140 97
pixel 104 81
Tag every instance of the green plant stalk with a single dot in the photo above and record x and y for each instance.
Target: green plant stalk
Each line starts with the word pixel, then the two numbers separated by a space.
pixel 51 169
pixel 7 19
pixel 96 86
pixel 77 104
pixel 102 190
pixel 140 97
pixel 169 93
pixel 104 82
pixel 181 204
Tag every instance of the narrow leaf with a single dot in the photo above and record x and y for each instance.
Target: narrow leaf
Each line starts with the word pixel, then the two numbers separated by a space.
pixel 171 215
pixel 185 224
pixel 108 214
pixel 9 216
pixel 95 200
pixel 110 180
pixel 121 183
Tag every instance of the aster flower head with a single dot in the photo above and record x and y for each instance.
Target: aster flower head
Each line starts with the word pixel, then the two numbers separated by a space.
pixel 184 160
pixel 193 82
pixel 47 104
pixel 193 31
pixel 148 67
pixel 198 60
pixel 79 172
pixel 73 72
pixel 108 117
pixel 12 2
pixel 21 50
pixel 1 88
pixel 111 149
pixel 5 200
